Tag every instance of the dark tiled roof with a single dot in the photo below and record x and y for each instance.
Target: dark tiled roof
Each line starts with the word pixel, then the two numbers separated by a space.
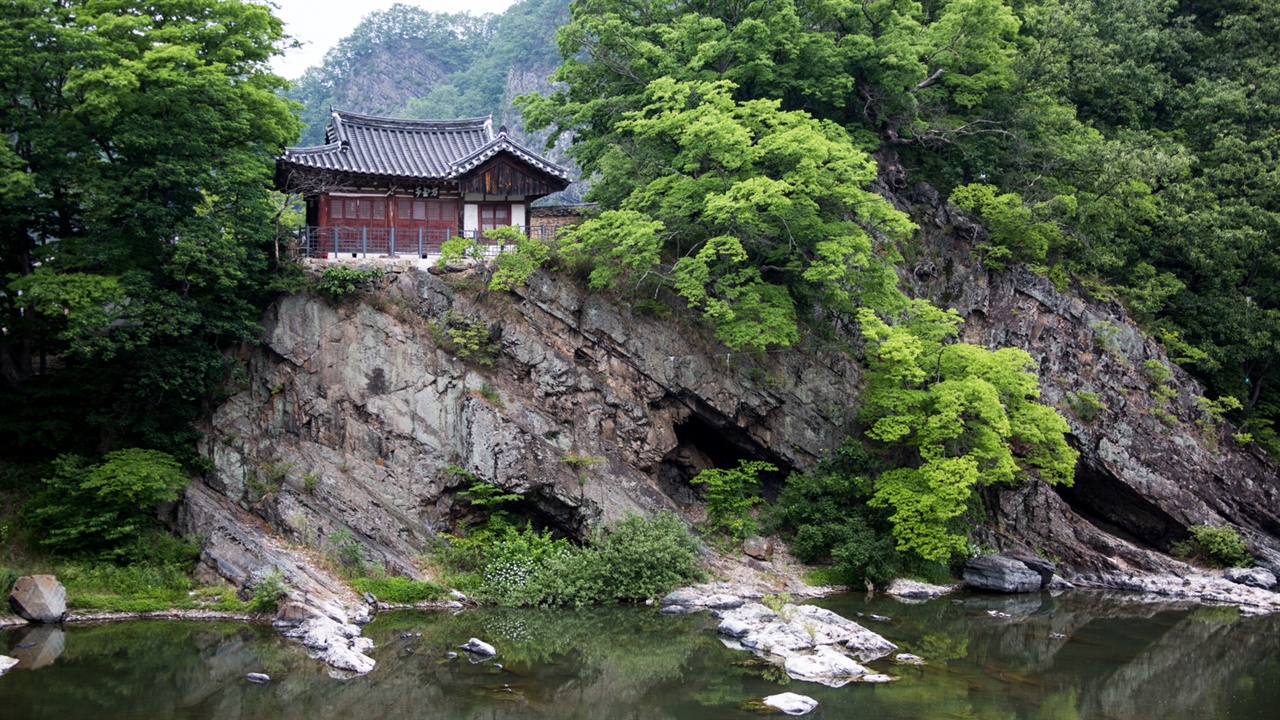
pixel 419 149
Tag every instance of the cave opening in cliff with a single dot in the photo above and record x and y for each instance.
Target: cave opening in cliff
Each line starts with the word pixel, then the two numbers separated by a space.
pixel 1118 509
pixel 702 446
pixel 538 509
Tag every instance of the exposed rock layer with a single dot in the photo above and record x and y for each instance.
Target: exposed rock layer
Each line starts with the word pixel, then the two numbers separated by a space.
pixel 360 422
pixel 1148 469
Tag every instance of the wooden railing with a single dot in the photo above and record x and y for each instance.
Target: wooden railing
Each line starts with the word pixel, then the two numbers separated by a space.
pixel 360 242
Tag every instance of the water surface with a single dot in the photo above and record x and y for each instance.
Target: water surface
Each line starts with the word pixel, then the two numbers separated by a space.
pixel 1081 655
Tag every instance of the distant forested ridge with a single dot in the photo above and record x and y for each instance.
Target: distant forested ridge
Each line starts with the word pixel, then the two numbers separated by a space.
pixel 408 62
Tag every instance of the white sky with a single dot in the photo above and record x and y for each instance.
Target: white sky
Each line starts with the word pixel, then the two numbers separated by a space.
pixel 320 24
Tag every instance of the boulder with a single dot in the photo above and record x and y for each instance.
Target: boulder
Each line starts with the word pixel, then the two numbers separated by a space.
pixel 1001 574
pixel 39 598
pixel 758 548
pixel 1253 577
pixel 825 665
pixel 341 644
pixel 479 647
pixel 829 628
pixel 722 602
pixel 903 588
pixel 7 663
pixel 1042 566
pixel 683 597
pixel 812 643
pixel 791 703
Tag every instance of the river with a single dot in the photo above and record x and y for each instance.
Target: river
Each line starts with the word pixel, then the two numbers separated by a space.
pixel 1078 655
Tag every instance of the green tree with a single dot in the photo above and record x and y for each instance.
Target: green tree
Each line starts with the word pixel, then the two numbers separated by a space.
pixel 103 508
pixel 954 412
pixel 135 231
pixel 742 208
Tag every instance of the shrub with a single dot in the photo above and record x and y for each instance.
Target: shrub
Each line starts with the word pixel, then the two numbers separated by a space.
pixel 400 590
pixel 103 508
pixel 647 557
pixel 348 550
pixel 639 558
pixel 521 256
pixel 7 577
pixel 825 517
pixel 730 495
pixel 267 594
pixel 1085 405
pixel 1219 546
pixel 340 282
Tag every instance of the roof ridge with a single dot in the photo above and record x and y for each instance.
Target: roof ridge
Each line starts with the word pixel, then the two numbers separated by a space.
pixel 313 149
pixel 411 123
pixel 484 152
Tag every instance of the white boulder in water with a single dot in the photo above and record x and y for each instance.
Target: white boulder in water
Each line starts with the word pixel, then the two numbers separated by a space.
pixel 791 703
pixel 479 647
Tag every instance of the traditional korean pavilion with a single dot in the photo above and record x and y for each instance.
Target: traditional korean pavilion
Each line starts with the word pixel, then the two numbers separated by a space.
pixel 390 186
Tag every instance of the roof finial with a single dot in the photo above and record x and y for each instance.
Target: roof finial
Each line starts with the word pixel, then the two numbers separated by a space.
pixel 502 129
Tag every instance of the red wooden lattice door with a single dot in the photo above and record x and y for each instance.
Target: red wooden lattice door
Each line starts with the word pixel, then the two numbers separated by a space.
pixel 494 216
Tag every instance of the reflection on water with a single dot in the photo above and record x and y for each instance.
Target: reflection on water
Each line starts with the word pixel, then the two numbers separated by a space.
pixel 1076 656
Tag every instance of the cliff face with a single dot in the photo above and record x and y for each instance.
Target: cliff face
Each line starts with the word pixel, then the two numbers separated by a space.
pixel 1152 462
pixel 366 418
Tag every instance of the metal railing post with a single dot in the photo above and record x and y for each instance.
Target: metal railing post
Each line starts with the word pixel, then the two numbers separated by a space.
pixel 364 243
pixel 335 242
pixel 419 243
pixel 392 251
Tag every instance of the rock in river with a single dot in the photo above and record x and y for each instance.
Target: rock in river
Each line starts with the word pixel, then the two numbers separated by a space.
pixel 811 643
pixel 791 703
pixel 1001 574
pixel 479 647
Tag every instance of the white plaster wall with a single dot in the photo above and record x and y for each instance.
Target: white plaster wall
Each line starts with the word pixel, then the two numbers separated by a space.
pixel 470 217
pixel 517 214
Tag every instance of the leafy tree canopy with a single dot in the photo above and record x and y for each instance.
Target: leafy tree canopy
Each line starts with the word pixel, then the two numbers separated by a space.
pixel 743 208
pixel 135 227
pixel 955 412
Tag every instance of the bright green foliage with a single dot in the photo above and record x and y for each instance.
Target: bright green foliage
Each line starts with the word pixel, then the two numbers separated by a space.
pixel 1219 546
pixel 459 247
pixel 902 72
pixel 103 508
pixel 730 495
pixel 341 282
pixel 955 410
pixel 400 590
pixel 751 201
pixel 619 244
pixel 521 256
pixel 1015 235
pixel 136 232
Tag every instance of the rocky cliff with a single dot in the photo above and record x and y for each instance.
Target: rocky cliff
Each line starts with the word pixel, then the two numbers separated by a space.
pixel 1152 461
pixel 360 422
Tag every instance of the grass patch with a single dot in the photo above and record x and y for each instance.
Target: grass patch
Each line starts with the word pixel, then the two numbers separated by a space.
pixel 400 590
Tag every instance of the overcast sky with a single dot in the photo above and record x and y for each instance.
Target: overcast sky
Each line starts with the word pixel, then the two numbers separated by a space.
pixel 320 24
